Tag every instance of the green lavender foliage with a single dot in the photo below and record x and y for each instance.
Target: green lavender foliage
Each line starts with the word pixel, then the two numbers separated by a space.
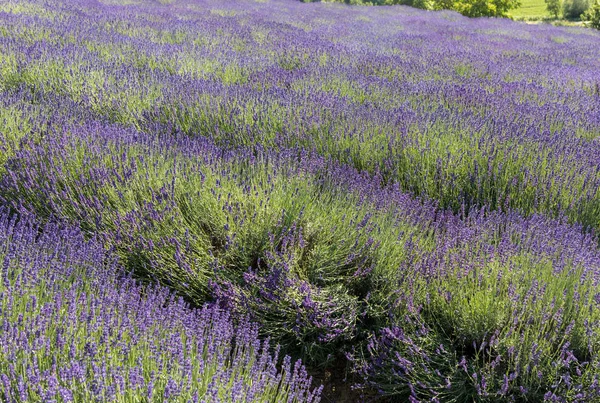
pixel 189 222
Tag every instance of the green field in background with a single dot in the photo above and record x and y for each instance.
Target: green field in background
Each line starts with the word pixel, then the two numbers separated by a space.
pixel 530 8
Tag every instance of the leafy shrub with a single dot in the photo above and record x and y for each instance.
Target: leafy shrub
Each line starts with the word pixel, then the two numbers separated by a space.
pixel 592 16
pixel 553 7
pixel 482 8
pixel 469 8
pixel 575 8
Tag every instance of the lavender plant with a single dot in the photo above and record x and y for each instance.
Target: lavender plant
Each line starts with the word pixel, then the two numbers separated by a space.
pixel 521 325
pixel 217 224
pixel 75 329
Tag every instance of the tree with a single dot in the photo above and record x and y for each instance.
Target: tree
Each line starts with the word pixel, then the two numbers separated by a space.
pixel 592 16
pixel 478 8
pixel 575 8
pixel 553 7
pixel 470 8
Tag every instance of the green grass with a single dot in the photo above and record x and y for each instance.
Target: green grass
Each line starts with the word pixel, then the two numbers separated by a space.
pixel 531 9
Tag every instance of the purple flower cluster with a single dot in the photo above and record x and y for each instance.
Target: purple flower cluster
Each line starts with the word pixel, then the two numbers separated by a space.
pixel 74 328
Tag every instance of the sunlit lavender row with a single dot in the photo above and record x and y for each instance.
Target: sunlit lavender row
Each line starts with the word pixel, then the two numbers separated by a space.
pixel 74 330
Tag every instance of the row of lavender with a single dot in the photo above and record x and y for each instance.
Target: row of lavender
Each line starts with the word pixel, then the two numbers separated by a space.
pixel 295 213
pixel 467 112
pixel 332 264
pixel 76 328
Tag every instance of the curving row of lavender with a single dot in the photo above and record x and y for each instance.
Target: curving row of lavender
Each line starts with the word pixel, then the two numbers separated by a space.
pixel 411 195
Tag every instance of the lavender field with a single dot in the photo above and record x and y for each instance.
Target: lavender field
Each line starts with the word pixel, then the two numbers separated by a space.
pixel 277 201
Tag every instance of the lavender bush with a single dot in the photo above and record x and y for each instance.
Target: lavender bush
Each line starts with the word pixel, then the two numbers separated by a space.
pixel 75 329
pixel 286 237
